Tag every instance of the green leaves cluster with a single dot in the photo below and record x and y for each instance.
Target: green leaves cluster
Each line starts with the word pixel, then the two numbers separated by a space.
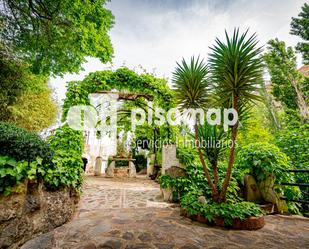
pixel 67 164
pixel 211 210
pixel 189 82
pixel 11 173
pixel 21 156
pixel 263 159
pixel 294 142
pixel 25 98
pixel 21 144
pixel 236 69
pixel 299 27
pixel 282 67
pixel 55 36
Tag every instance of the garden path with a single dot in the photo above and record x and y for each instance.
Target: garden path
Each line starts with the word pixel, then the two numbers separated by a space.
pixel 128 213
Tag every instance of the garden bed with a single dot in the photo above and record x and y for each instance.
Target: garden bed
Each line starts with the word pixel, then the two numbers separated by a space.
pixel 251 223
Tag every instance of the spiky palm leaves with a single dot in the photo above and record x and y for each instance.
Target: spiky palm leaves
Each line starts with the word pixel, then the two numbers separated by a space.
pixel 236 69
pixel 190 82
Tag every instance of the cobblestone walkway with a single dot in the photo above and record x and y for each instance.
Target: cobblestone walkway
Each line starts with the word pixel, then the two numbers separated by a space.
pixel 126 213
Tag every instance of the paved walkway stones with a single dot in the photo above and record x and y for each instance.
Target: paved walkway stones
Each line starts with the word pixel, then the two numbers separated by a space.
pixel 128 213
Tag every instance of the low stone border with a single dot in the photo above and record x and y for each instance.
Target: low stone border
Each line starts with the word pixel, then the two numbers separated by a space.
pixel 251 223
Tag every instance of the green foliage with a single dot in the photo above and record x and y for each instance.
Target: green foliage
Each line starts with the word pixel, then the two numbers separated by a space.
pixel 55 36
pixel 63 168
pixel 299 27
pixel 195 181
pixel 35 110
pixel 213 141
pixel 25 98
pixel 13 78
pixel 123 79
pixel 262 159
pixel 21 144
pixel 227 211
pixel 11 173
pixel 286 80
pixel 190 83
pixel 236 70
pixel 140 162
pixel 67 164
pixel 256 128
pixel 14 172
pixel 186 155
pixel 294 141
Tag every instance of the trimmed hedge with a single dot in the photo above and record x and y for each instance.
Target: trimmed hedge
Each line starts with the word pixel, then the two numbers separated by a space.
pixel 21 144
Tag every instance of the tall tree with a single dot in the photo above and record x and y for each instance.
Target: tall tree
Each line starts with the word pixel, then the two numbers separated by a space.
pixel 25 98
pixel 287 82
pixel 190 81
pixel 300 27
pixel 236 71
pixel 55 36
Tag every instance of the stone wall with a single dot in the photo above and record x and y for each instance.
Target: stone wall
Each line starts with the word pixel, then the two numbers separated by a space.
pixel 34 211
pixel 169 158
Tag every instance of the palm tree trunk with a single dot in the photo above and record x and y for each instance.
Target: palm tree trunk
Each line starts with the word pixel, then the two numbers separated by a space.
pixel 231 157
pixel 206 171
pixel 215 172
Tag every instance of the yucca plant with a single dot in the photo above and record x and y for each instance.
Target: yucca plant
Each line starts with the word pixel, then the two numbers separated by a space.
pixel 190 83
pixel 236 73
pixel 214 137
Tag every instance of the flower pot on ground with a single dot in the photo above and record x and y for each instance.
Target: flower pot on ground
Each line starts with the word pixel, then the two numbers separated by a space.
pixel 252 223
pixel 200 218
pixel 219 221
pixel 238 215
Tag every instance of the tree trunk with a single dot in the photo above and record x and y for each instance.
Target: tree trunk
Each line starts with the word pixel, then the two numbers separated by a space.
pixel 215 172
pixel 227 178
pixel 214 189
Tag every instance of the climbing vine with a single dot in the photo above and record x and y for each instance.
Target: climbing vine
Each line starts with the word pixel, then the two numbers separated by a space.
pixel 124 80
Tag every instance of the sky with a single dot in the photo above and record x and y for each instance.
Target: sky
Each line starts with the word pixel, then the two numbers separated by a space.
pixel 155 34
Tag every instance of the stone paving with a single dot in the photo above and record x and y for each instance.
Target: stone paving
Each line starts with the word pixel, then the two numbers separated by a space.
pixel 129 213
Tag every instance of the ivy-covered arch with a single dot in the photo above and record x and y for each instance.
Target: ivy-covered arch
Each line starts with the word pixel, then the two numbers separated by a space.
pixel 128 81
pixel 123 80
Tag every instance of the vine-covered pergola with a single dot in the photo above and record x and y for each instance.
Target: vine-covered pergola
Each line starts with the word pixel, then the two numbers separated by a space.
pixel 133 89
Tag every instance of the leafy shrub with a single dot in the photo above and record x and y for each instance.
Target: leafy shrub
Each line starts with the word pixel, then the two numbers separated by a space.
pixel 263 159
pixel 64 168
pixel 186 156
pixel 67 164
pixel 14 172
pixel 294 141
pixel 21 144
pixel 140 162
pixel 196 181
pixel 211 210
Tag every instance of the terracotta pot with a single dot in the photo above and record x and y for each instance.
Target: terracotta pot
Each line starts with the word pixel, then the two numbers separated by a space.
pixel 202 219
pixel 252 223
pixel 219 221
pixel 193 217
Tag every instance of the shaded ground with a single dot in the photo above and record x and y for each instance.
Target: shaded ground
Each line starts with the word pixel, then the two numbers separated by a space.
pixel 126 213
